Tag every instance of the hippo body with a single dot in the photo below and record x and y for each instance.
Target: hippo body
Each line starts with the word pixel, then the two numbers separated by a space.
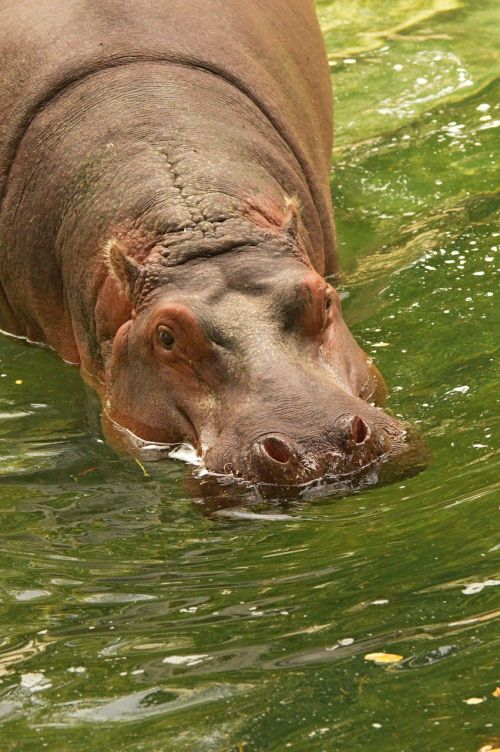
pixel 166 225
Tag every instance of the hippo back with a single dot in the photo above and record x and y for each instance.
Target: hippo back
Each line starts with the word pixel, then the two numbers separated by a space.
pixel 272 51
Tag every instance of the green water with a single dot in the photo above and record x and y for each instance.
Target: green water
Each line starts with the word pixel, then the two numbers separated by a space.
pixel 135 616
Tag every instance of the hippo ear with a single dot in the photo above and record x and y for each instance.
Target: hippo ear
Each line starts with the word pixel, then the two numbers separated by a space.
pixel 122 267
pixel 291 221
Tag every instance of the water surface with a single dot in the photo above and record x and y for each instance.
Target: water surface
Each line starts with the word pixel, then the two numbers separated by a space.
pixel 136 615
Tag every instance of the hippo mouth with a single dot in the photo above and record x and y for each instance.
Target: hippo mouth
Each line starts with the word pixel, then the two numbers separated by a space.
pixel 275 465
pixel 352 450
pixel 295 472
pixel 218 492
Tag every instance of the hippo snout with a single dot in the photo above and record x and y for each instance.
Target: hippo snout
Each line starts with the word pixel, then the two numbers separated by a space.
pixel 351 444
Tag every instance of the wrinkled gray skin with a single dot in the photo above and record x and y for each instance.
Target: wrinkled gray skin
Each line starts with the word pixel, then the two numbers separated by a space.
pixel 166 225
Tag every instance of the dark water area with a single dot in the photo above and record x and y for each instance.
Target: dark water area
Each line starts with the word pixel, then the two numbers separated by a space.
pixel 138 613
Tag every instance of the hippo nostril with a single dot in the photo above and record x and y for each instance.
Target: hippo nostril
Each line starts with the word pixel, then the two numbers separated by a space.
pixel 277 450
pixel 359 430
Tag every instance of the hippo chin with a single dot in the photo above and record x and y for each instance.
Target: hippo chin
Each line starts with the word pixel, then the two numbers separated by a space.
pixel 166 225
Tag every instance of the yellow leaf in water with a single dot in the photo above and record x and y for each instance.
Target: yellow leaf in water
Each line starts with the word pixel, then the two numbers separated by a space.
pixel 496 692
pixel 383 657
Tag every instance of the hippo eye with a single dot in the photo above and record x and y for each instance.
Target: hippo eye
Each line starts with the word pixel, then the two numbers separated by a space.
pixel 328 303
pixel 165 338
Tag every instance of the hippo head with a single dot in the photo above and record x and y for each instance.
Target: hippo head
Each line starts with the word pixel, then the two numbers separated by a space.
pixel 238 347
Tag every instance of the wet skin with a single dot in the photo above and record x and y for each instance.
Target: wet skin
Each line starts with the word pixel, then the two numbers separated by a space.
pixel 166 225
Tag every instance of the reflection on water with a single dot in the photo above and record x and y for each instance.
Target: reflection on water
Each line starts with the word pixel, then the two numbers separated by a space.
pixel 144 609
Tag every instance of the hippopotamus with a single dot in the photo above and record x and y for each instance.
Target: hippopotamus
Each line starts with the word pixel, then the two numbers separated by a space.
pixel 166 226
